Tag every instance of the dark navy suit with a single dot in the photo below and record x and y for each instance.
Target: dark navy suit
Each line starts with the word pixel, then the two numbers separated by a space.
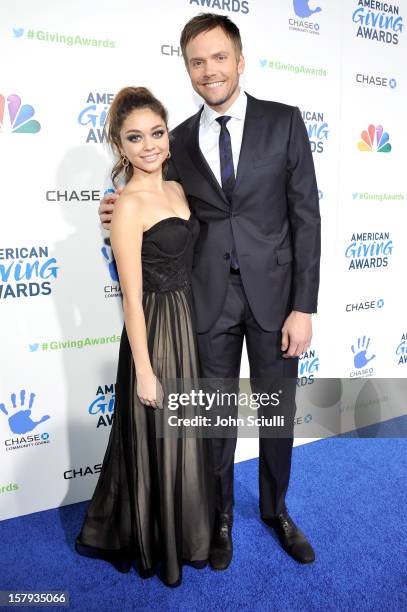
pixel 273 216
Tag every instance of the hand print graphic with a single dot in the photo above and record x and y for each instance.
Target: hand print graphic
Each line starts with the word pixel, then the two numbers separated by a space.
pixel 302 9
pixel 20 422
pixel 359 354
pixel 108 255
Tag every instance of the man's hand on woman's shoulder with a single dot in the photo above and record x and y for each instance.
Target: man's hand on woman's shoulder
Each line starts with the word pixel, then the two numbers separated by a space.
pixel 106 207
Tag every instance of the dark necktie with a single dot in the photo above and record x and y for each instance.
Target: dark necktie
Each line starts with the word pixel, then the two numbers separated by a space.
pixel 227 171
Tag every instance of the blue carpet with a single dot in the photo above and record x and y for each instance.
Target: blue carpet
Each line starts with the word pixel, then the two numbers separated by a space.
pixel 348 496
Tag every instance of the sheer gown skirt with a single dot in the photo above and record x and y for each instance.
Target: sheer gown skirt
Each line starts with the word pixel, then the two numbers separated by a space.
pixel 153 501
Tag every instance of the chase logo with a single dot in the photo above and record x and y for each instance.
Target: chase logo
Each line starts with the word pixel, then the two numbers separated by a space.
pixel 380 21
pixel 303 12
pixel 317 129
pixel 376 80
pixel 27 272
pixel 103 405
pixel 18 119
pixel 364 306
pixel 21 423
pixel 360 358
pixel 374 139
pixel 369 250
pixel 79 472
pixel 303 420
pixel 93 116
pixel 401 350
pixel 73 195
pixel 171 50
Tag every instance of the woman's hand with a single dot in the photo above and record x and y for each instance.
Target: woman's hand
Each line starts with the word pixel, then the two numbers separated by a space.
pixel 149 390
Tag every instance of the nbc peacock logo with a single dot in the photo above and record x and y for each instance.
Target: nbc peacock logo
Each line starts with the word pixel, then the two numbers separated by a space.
pixel 18 119
pixel 374 139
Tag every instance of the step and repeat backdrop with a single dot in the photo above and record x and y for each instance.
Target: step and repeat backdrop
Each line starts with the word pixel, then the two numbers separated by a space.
pixel 342 63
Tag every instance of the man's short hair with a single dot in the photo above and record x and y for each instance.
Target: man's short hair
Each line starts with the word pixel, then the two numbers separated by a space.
pixel 208 21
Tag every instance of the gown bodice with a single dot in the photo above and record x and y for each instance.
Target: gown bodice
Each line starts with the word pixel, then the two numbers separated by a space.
pixel 167 254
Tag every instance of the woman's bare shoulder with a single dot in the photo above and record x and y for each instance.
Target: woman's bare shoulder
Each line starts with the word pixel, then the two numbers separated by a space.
pixel 132 203
pixel 177 186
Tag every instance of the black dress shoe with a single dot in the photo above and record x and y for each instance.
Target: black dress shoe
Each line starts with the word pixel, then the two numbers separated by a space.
pixel 221 551
pixel 197 564
pixel 291 538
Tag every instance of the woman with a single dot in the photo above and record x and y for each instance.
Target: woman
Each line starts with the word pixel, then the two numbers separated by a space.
pixel 152 503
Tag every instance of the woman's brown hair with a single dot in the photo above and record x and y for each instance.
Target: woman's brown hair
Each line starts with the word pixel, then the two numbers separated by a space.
pixel 126 101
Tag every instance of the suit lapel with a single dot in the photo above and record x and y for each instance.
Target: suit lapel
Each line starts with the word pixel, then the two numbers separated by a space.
pixel 201 163
pixel 251 135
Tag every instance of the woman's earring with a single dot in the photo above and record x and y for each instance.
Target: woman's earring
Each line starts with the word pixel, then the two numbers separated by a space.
pixel 169 155
pixel 125 161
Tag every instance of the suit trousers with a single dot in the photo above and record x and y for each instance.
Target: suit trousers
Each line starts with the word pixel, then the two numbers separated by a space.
pixel 220 352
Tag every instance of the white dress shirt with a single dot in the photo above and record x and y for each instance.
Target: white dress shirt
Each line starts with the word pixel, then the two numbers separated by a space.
pixel 209 130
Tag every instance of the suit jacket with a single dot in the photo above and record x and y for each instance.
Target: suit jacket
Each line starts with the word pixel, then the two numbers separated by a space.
pixel 274 216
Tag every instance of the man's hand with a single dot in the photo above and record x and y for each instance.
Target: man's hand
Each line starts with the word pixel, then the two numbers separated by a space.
pixel 106 207
pixel 296 334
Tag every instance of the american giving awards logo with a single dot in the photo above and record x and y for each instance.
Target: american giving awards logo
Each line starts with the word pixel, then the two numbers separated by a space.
pixel 233 6
pixel 308 367
pixel 379 21
pixel 102 407
pixel 401 350
pixel 93 116
pixel 317 129
pixel 374 140
pixel 18 118
pixel 26 272
pixel 369 250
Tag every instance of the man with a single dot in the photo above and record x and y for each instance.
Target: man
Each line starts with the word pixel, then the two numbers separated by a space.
pixel 247 169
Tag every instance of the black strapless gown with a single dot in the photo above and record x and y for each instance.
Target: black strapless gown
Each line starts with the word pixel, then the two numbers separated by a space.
pixel 152 505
